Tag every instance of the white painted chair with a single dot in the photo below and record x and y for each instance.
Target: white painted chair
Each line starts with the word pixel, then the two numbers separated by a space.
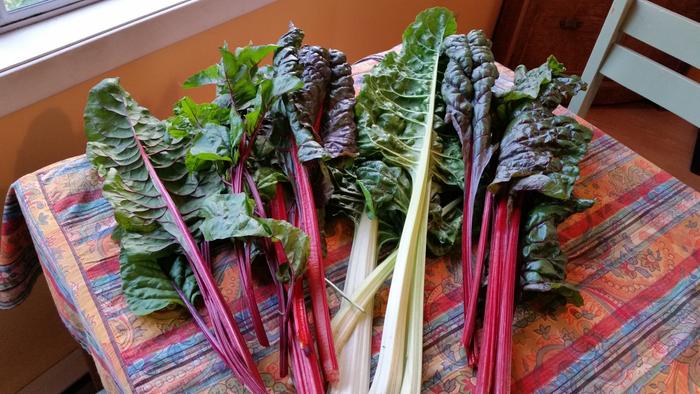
pixel 660 28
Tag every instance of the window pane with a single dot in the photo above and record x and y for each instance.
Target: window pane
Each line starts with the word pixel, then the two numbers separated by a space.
pixel 12 5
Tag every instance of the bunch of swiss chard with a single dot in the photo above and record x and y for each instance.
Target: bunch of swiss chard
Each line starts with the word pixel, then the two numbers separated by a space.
pixel 430 147
pixel 234 176
pixel 439 148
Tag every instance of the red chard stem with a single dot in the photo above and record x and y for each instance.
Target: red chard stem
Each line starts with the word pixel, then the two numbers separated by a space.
pixel 505 323
pixel 493 299
pixel 315 269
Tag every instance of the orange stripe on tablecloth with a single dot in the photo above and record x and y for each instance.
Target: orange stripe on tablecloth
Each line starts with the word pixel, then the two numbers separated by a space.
pixel 606 327
pixel 605 212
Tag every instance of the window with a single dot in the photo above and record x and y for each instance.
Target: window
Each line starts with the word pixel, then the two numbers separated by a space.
pixel 59 52
pixel 16 13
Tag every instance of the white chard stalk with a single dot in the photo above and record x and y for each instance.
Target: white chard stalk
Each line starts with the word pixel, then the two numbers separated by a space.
pixel 389 373
pixel 413 372
pixel 354 358
pixel 397 120
pixel 347 317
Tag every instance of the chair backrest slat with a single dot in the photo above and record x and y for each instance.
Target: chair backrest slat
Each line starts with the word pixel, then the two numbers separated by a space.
pixel 663 29
pixel 654 81
pixel 609 35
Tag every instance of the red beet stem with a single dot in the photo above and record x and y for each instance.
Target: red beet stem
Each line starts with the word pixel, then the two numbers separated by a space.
pixel 243 261
pixel 226 331
pixel 487 357
pixel 471 306
pixel 203 327
pixel 307 373
pixel 468 279
pixel 278 210
pixel 301 323
pixel 315 269
pixel 505 323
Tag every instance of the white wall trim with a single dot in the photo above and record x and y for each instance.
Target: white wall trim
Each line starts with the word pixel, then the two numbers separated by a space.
pixel 33 77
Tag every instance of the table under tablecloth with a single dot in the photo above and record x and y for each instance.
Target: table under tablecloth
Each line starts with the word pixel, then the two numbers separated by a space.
pixel 635 256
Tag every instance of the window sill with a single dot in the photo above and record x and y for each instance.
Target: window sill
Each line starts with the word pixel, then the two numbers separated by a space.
pixel 47 57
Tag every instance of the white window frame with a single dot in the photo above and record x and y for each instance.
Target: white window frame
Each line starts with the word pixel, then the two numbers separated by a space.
pixel 47 57
pixel 35 12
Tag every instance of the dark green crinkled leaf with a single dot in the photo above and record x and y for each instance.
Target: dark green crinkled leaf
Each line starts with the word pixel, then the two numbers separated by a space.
pixel 348 198
pixel 389 187
pixel 338 130
pixel 541 152
pixel 448 160
pixel 372 186
pixel 457 90
pixel 316 74
pixel 444 224
pixel 484 76
pixel 544 263
pixel 286 63
pixel 147 229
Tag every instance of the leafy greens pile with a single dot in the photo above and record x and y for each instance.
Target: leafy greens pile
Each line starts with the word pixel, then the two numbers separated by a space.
pixel 430 114
pixel 232 175
pixel 426 149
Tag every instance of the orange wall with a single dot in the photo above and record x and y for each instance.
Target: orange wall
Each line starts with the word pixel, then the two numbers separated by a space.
pixel 51 129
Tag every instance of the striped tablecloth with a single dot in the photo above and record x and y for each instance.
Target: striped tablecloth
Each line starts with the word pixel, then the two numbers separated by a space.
pixel 635 257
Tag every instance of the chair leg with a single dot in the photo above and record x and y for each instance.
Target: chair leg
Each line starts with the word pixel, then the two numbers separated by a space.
pixel 695 161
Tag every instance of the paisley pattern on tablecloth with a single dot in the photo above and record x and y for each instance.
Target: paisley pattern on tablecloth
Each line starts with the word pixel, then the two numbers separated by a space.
pixel 635 255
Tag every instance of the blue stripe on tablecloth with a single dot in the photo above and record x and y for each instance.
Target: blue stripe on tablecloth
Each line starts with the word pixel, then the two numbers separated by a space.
pixel 618 344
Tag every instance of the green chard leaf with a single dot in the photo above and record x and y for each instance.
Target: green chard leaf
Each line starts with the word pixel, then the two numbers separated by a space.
pixel 373 186
pixel 541 152
pixel 230 216
pixel 544 264
pixel 119 134
pixel 395 115
pixel 546 85
pixel 448 161
pixel 266 179
pixel 212 144
pixel 188 117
